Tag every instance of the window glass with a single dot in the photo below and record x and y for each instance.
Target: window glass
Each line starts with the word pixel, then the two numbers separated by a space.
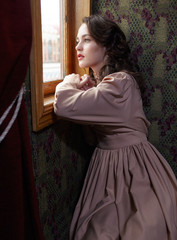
pixel 52 39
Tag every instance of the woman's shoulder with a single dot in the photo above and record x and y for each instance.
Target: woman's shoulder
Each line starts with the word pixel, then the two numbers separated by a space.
pixel 120 81
pixel 116 84
pixel 122 75
pixel 119 77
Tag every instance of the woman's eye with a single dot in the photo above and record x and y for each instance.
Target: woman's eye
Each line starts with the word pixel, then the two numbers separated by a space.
pixel 87 40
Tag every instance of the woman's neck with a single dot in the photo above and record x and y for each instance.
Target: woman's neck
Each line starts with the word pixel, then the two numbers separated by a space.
pixel 97 78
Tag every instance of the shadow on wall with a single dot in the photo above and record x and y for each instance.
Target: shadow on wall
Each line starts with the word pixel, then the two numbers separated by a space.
pixel 60 159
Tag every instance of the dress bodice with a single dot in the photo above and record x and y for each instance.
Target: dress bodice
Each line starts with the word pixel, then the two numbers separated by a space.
pixel 111 138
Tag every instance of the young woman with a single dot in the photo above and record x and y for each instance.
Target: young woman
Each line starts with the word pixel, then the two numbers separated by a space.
pixel 130 192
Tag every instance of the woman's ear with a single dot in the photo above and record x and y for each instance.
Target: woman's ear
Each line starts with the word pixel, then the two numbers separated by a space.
pixel 105 57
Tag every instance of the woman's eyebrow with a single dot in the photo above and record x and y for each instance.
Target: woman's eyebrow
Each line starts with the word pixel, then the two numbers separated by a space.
pixel 83 36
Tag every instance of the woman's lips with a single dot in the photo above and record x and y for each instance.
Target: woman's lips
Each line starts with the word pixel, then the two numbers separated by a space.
pixel 80 57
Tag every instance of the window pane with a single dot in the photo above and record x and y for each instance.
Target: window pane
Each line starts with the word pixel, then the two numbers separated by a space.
pixel 52 39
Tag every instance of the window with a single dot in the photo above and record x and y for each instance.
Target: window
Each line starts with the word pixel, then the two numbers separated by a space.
pixel 53 52
pixel 52 17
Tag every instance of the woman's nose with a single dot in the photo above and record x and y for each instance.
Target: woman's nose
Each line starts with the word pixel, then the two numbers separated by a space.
pixel 78 46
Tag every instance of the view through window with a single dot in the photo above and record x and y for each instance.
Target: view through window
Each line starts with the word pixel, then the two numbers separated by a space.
pixel 52 39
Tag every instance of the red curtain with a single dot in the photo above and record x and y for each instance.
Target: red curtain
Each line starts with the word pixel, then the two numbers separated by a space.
pixel 19 214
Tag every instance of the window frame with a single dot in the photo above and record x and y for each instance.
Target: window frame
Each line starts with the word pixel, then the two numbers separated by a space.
pixel 42 94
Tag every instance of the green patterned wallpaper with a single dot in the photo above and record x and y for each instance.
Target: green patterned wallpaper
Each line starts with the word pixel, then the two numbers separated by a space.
pixel 151 29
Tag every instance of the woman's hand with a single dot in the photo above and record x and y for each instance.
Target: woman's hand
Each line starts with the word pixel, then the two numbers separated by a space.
pixel 88 83
pixel 76 81
pixel 73 79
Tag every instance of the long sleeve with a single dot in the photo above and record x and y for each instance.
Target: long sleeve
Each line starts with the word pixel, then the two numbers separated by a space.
pixel 98 105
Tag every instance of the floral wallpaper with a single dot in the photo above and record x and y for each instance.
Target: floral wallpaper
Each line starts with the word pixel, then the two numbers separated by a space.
pixel 151 29
pixel 60 153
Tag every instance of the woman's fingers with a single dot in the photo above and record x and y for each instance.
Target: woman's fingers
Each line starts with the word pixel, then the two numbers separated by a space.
pixel 76 81
pixel 84 81
pixel 73 79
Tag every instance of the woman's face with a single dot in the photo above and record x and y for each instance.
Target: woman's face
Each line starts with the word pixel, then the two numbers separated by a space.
pixel 89 53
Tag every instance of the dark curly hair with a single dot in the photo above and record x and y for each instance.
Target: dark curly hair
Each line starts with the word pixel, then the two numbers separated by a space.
pixel 108 34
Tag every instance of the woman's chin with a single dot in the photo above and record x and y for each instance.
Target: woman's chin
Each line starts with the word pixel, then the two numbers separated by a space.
pixel 82 65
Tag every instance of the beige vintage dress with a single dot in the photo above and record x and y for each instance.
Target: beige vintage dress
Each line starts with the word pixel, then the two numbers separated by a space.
pixel 130 192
